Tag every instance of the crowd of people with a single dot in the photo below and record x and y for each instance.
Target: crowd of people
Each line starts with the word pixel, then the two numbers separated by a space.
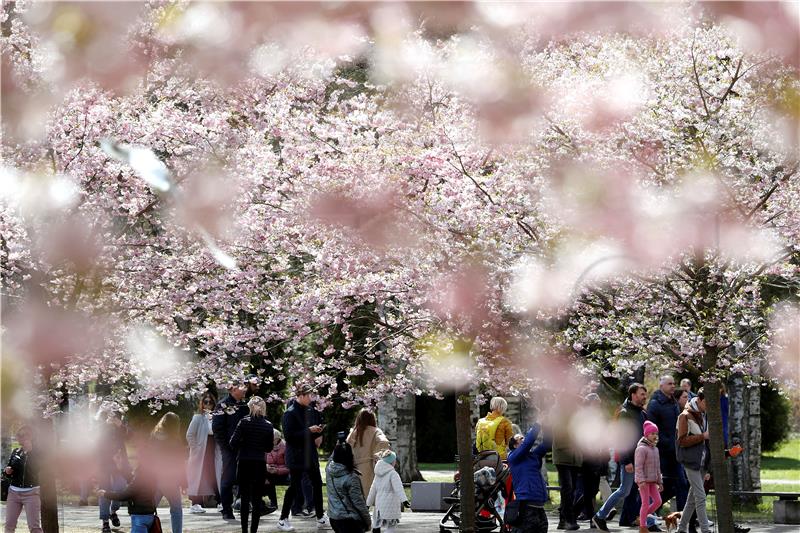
pixel 667 457
pixel 235 458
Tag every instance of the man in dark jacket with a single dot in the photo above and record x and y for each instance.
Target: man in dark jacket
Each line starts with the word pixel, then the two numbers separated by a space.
pixel 632 411
pixel 529 486
pixel 301 428
pixel 663 411
pixel 226 417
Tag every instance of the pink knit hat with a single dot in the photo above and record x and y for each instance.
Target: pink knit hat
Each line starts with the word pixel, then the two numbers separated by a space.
pixel 649 427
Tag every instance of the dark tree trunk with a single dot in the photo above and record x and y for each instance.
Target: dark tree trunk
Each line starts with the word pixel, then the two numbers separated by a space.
pixel 719 467
pixel 467 483
pixel 46 437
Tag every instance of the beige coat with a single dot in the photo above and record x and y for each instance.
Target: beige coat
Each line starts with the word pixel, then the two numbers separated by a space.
pixel 365 455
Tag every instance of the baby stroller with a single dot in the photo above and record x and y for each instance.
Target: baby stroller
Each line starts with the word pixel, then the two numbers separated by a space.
pixel 486 516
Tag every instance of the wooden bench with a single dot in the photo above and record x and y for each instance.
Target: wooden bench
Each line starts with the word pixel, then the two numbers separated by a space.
pixel 784 511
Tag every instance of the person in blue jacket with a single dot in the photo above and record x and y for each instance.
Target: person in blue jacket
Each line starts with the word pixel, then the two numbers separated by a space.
pixel 530 490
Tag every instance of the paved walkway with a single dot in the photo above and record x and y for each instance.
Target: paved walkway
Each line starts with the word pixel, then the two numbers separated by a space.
pixel 84 520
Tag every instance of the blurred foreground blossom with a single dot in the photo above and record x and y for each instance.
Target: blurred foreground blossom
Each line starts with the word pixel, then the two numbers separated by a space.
pixel 144 163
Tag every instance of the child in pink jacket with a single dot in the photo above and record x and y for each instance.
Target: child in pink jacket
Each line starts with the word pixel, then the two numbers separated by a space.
pixel 648 473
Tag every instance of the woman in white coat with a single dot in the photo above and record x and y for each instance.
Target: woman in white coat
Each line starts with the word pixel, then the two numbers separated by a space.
pixel 204 468
pixel 387 495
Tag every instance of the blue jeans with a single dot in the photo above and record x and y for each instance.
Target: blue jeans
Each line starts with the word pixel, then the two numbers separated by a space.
pixel 625 485
pixel 115 483
pixel 173 495
pixel 140 523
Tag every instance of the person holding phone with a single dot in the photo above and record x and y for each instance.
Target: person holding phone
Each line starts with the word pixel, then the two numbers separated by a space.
pixel 302 431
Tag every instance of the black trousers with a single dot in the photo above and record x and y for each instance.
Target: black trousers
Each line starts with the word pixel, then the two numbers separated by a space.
pixel 567 478
pixel 531 519
pixel 250 475
pixel 274 480
pixel 295 487
pixel 348 525
pixel 590 479
pixel 228 480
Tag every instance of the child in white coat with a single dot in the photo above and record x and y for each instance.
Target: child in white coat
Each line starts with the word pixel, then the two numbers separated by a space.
pixel 386 494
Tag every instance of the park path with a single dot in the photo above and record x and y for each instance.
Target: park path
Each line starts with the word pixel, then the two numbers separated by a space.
pixel 84 520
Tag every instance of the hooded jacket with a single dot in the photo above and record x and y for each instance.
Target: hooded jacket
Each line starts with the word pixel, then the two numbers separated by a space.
pixel 647 464
pixel 692 449
pixel 345 499
pixel 526 465
pixel 277 458
pixel 386 493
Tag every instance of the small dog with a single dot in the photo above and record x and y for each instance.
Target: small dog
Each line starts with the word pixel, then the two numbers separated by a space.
pixel 671 521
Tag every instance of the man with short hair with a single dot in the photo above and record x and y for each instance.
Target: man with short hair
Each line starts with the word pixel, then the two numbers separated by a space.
pixel 302 431
pixel 686 384
pixel 226 417
pixel 663 411
pixel 632 412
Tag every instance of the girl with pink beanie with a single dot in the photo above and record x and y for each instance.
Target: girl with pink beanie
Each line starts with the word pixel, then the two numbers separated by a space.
pixel 648 473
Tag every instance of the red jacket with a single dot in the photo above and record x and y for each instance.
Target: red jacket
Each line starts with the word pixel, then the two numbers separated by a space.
pixel 277 458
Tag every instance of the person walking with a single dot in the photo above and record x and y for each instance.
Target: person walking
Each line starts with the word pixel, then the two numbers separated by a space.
pixel 663 411
pixel 346 506
pixel 632 413
pixel 648 473
pixel 138 494
pixel 169 458
pixel 592 470
pixel 525 463
pixel 225 419
pixel 387 494
pixel 693 454
pixel 302 430
pixel 252 439
pixel 367 442
pixel 113 465
pixel 22 473
pixel 204 467
pixel 568 460
pixel 493 431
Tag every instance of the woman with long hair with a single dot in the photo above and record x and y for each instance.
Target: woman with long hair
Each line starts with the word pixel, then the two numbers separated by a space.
pixel 347 509
pixel 251 440
pixel 204 468
pixel 169 458
pixel 367 442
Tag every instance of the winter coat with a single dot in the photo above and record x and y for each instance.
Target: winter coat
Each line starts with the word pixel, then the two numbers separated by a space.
pixel 167 459
pixel 197 437
pixel 345 499
pixel 24 464
pixel 139 494
pixel 252 438
pixel 301 451
pixel 663 411
pixel 692 449
pixel 277 458
pixel 502 434
pixel 636 417
pixel 526 467
pixel 647 466
pixel 564 451
pixel 226 418
pixel 373 441
pixel 387 494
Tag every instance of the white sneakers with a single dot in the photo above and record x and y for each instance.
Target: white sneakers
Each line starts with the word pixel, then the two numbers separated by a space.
pixel 285 525
pixel 323 522
pixel 196 509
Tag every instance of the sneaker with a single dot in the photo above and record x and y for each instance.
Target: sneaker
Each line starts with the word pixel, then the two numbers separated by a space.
pixel 271 508
pixel 599 523
pixel 285 525
pixel 739 528
pixel 114 520
pixel 106 527
pixel 654 527
pixel 228 516
pixel 323 522
pixel 196 509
